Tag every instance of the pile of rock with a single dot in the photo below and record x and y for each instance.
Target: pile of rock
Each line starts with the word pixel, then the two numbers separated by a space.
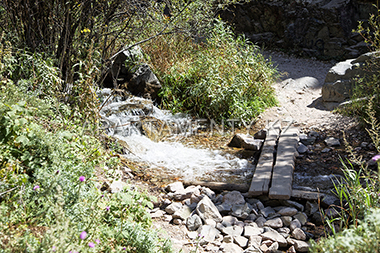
pixel 233 222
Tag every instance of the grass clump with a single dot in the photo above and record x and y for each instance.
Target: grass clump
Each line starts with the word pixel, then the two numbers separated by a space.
pixel 217 77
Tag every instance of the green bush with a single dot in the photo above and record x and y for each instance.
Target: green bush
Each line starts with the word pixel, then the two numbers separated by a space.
pixel 221 78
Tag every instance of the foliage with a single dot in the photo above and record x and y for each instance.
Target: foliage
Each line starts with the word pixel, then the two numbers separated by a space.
pixel 221 77
pixel 48 188
pixel 359 195
pixel 368 86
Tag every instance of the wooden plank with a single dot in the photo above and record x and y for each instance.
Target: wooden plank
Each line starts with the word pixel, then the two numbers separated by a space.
pixel 282 178
pixel 263 173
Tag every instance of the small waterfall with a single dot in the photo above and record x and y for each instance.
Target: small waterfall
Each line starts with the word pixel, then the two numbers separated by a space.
pixel 137 122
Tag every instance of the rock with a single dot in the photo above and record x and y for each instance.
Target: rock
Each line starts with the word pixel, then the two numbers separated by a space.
pixel 295 224
pixel 193 222
pixel 302 217
pixel 267 211
pixel 233 230
pixel 261 134
pixel 252 217
pixel 332 212
pixel 177 221
pixel 228 239
pixel 284 230
pixel 286 220
pixel 241 241
pixel 144 82
pixel 292 249
pixel 252 231
pixel 241 211
pixel 245 141
pixel 173 187
pixel 317 218
pixel 288 211
pixel 224 208
pixel 231 248
pixel 275 237
pixel 210 222
pixel 325 150
pixel 332 142
pixel 173 207
pixel 192 235
pixel 311 208
pixel 252 250
pixel 208 192
pixel 300 246
pixel 254 241
pixel 260 221
pixel 186 193
pixel 274 223
pixel 291 203
pixel 157 214
pixel 260 205
pixel 274 247
pixel 329 200
pixel 233 198
pixel 182 213
pixel 302 148
pixel 208 233
pixel 117 186
pixel 298 234
pixel 229 220
pixel 207 210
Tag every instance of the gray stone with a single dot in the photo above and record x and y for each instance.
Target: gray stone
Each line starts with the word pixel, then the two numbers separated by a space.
pixel 252 250
pixel 208 192
pixel 241 211
pixel 260 221
pixel 144 82
pixel 260 205
pixel 274 223
pixel 298 234
pixel 208 233
pixel 233 198
pixel 267 211
pixel 295 224
pixel 224 208
pixel 311 208
pixel 275 237
pixel 325 150
pixel 252 231
pixel 292 249
pixel 228 239
pixel 173 187
pixel 193 222
pixel 192 234
pixel 288 211
pixel 231 248
pixel 241 241
pixel 186 193
pixel 302 148
pixel 210 222
pixel 173 207
pixel 274 247
pixel 291 203
pixel 252 217
pixel 229 220
pixel 284 230
pixel 331 142
pixel 207 210
pixel 286 220
pixel 182 213
pixel 302 217
pixel 300 246
pixel 255 241
pixel 233 230
pixel 245 141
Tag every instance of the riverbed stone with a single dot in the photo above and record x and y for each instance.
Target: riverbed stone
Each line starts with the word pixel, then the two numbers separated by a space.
pixel 207 210
pixel 302 148
pixel 299 245
pixel 233 198
pixel 176 186
pixel 241 241
pixel 193 222
pixel 299 234
pixel 302 217
pixel 246 141
pixel 275 237
pixel 186 193
pixel 208 233
pixel 231 248
pixel 295 224
pixel 286 220
pixel 274 223
pixel 182 213
pixel 288 211
pixel 173 207
pixel 332 142
pixel 267 211
pixel 252 231
pixel 233 230
pixel 241 211
pixel 260 221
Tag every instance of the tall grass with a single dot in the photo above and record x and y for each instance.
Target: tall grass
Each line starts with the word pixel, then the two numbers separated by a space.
pixel 218 76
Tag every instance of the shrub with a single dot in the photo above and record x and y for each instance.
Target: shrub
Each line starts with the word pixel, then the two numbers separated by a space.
pixel 220 78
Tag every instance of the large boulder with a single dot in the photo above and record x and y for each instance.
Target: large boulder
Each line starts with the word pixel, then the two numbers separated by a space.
pixel 339 80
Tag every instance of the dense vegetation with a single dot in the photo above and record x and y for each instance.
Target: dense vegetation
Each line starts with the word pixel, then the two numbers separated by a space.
pixel 53 57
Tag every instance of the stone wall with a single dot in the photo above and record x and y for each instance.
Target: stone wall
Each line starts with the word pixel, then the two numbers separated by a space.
pixel 321 28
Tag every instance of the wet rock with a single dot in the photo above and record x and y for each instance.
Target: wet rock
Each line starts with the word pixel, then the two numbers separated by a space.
pixel 332 142
pixel 274 223
pixel 241 241
pixel 275 237
pixel 288 211
pixel 207 210
pixel 233 198
pixel 306 140
pixel 245 141
pixel 233 230
pixel 298 234
pixel 173 207
pixel 193 222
